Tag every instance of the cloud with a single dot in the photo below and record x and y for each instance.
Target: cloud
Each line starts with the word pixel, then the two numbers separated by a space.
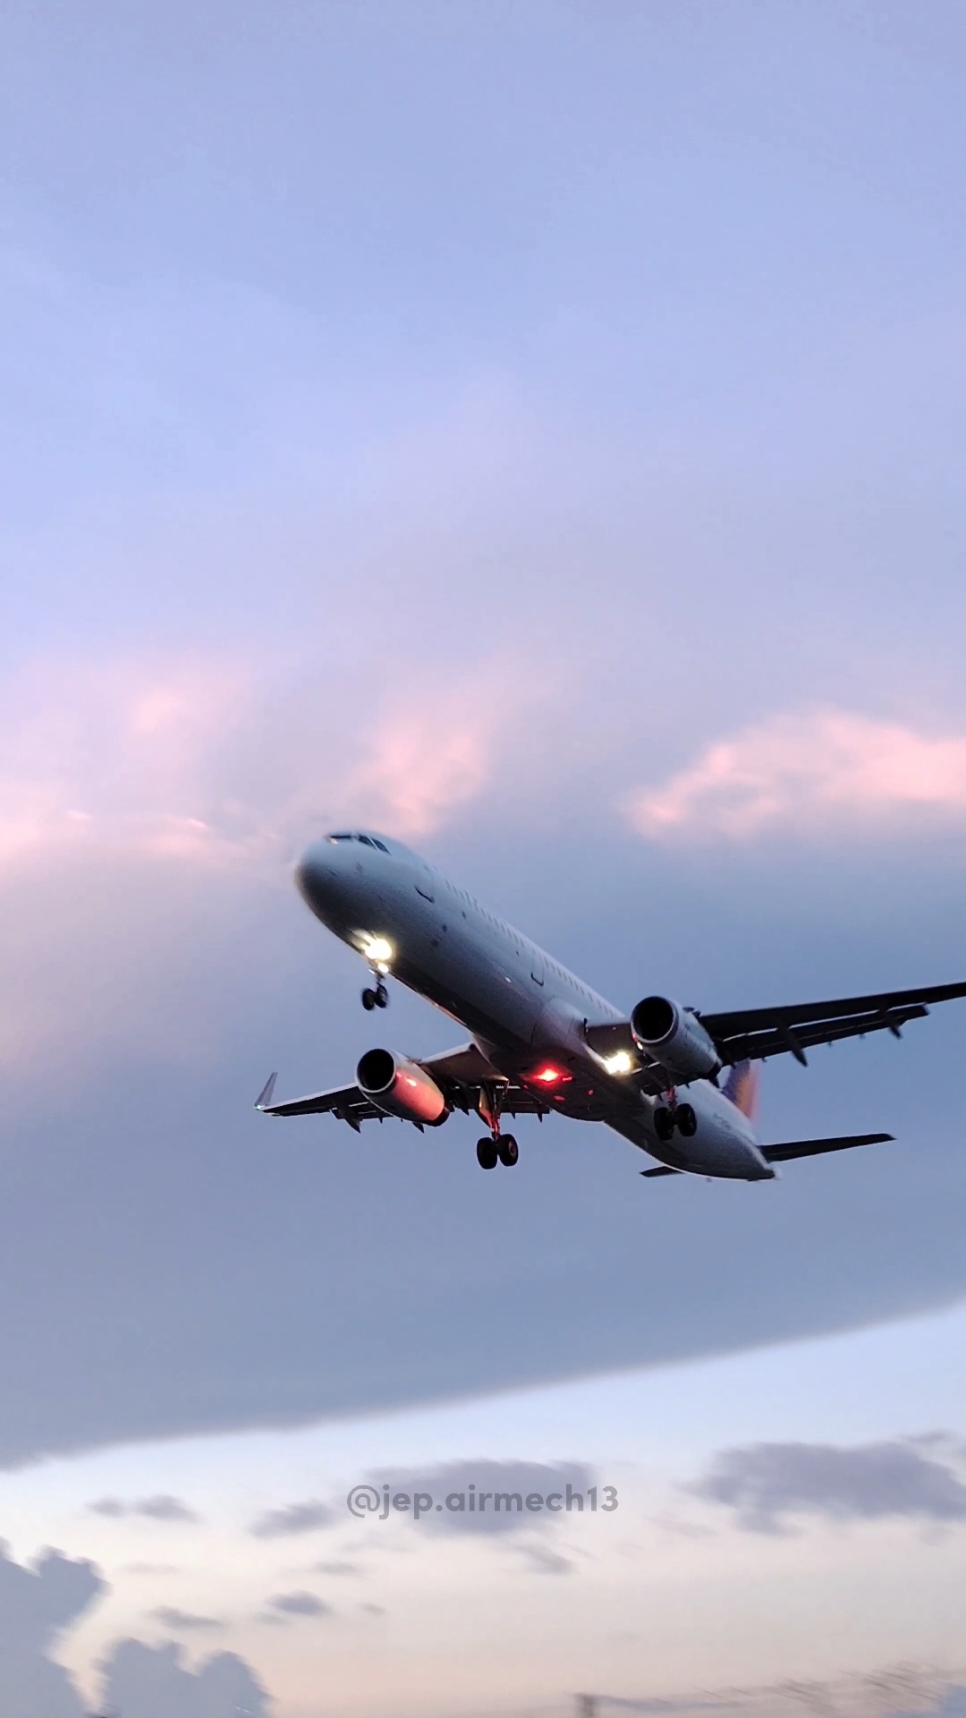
pixel 188 1621
pixel 116 751
pixel 36 1604
pixel 337 1567
pixel 766 1483
pixel 505 1487
pixel 544 1561
pixel 218 761
pixel 807 770
pixel 161 1508
pixel 164 1509
pixel 434 750
pixel 906 1690
pixel 952 1705
pixel 153 1681
pixel 294 1518
pixel 299 1605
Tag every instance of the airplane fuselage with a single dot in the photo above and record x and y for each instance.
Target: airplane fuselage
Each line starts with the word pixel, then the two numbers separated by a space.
pixel 525 1012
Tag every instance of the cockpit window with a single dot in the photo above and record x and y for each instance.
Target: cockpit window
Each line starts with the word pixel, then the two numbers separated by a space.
pixel 367 840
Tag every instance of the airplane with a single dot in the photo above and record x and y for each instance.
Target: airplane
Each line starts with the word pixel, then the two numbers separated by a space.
pixel 678 1083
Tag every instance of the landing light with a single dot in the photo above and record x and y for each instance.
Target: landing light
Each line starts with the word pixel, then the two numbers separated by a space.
pixel 621 1062
pixel 378 952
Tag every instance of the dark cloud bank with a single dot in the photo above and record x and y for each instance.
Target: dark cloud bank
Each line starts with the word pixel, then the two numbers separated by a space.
pixel 765 1484
pixel 225 1269
pixel 37 1604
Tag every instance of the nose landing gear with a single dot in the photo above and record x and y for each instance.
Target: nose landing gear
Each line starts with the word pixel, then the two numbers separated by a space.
pixel 377 998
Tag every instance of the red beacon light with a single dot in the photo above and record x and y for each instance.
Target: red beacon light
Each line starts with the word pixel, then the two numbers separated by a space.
pixel 551 1076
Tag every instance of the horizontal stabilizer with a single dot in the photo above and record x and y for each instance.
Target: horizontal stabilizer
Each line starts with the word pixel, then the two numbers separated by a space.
pixel 796 1148
pixel 813 1147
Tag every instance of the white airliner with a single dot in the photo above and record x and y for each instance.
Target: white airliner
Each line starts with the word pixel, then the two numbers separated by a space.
pixel 542 1042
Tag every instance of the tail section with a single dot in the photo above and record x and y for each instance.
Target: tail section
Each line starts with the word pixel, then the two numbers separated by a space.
pixel 742 1086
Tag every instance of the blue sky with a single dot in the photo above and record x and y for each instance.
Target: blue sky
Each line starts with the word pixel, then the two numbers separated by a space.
pixel 535 430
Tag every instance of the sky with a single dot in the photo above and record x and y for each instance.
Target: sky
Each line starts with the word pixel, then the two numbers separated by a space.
pixel 535 431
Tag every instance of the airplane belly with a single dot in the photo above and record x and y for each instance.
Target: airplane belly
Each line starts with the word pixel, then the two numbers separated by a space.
pixel 726 1157
pixel 476 984
pixel 722 1145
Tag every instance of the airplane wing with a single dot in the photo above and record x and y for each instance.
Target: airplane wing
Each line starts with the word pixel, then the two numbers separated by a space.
pixel 796 1148
pixel 461 1075
pixel 751 1034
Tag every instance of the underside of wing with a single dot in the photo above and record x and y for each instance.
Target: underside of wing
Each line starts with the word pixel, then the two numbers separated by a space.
pixel 753 1033
pixel 346 1102
pixel 464 1076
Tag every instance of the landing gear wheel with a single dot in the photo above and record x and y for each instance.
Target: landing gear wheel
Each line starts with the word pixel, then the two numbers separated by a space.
pixel 486 1153
pixel 382 996
pixel 369 1000
pixel 507 1150
pixel 686 1120
pixel 664 1123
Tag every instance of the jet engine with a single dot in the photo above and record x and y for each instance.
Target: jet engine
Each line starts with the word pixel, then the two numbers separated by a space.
pixel 401 1088
pixel 674 1037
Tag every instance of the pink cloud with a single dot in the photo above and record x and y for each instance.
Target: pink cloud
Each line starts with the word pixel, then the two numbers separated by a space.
pixel 111 751
pixel 434 750
pixel 805 770
pixel 220 762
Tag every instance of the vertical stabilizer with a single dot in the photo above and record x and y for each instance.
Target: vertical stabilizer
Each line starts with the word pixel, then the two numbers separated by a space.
pixel 741 1087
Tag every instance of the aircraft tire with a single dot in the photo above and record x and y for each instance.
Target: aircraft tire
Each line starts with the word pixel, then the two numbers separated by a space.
pixel 663 1123
pixel 369 1000
pixel 486 1153
pixel 686 1120
pixel 508 1151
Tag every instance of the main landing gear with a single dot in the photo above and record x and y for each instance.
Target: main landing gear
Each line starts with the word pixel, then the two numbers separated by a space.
pixel 498 1147
pixel 680 1116
pixel 491 1151
pixel 378 998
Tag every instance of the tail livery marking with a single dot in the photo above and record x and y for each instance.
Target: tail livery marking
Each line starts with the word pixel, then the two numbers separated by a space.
pixel 741 1087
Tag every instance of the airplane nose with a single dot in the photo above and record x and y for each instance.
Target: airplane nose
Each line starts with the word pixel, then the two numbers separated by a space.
pixel 317 876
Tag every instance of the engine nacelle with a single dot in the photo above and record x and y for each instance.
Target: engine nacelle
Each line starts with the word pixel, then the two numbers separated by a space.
pixel 674 1037
pixel 401 1088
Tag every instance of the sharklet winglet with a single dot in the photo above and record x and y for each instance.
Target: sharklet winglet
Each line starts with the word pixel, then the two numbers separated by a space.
pixel 265 1095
